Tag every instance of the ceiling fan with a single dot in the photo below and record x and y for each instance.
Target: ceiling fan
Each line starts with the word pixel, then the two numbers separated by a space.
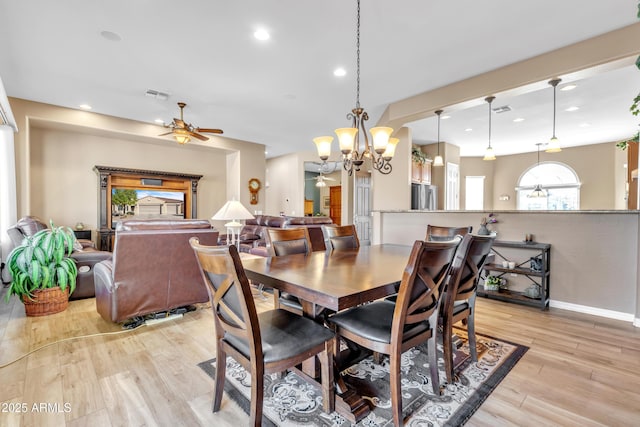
pixel 320 180
pixel 183 132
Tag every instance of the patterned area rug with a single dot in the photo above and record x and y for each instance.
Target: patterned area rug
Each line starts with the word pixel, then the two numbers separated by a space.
pixel 291 401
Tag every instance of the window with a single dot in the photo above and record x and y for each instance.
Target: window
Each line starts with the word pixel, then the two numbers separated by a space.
pixel 559 182
pixel 474 193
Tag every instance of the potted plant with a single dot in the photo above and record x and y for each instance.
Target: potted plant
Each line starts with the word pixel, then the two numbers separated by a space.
pixel 42 274
pixel 418 156
pixel 492 283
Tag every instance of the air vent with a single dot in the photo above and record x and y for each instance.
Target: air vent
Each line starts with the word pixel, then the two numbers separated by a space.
pixel 157 94
pixel 502 109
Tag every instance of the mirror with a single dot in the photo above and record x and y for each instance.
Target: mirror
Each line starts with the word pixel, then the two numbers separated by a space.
pixel 317 183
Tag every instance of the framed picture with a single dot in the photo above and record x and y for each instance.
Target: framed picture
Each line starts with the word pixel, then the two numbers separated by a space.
pixel 326 202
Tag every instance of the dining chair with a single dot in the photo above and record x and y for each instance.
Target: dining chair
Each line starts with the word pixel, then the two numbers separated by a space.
pixel 341 237
pixel 392 329
pixel 263 343
pixel 458 302
pixel 287 241
pixel 439 232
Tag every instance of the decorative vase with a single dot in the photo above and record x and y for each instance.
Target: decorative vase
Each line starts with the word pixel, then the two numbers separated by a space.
pixel 483 231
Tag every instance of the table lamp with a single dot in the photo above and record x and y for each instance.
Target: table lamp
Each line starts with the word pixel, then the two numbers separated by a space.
pixel 234 211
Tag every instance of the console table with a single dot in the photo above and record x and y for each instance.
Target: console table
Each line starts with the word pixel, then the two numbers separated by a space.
pixel 539 277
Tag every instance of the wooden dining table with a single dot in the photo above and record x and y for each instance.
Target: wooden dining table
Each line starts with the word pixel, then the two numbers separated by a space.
pixel 334 280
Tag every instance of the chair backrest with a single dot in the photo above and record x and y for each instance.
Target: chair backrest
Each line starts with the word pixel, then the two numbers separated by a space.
pixel 25 227
pixel 341 237
pixel 234 310
pixel 438 232
pixel 467 264
pixel 422 284
pixel 288 241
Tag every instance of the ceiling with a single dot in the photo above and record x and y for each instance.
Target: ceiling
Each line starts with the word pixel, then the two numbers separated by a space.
pixel 282 92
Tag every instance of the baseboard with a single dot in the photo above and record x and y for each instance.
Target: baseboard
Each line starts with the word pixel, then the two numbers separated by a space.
pixel 610 314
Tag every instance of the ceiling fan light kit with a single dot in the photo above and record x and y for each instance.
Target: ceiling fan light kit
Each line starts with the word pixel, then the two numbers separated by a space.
pixel 183 131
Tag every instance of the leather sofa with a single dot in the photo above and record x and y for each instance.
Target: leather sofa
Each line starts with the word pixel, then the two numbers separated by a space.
pixel 253 234
pixel 153 268
pixel 84 254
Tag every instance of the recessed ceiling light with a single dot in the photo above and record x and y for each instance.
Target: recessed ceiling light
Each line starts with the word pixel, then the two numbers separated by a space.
pixel 339 72
pixel 159 121
pixel 262 35
pixel 111 36
pixel 573 108
pixel 468 129
pixel 568 87
pixel 518 119
pixel 445 117
pixel 85 106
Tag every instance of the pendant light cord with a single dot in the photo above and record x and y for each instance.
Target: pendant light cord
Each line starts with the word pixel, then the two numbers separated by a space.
pixel 554 113
pixel 438 113
pixel 358 57
pixel 489 100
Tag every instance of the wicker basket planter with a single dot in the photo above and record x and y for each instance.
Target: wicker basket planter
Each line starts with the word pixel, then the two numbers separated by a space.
pixel 46 301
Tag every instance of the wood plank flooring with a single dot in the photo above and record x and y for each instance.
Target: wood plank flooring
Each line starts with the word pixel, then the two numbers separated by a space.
pixel 580 370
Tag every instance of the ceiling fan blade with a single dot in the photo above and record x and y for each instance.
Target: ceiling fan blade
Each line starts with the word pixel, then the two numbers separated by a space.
pixel 206 130
pixel 198 136
pixel 167 133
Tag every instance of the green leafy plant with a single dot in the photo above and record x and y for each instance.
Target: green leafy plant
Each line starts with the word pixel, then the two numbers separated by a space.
pixel 418 155
pixel 42 261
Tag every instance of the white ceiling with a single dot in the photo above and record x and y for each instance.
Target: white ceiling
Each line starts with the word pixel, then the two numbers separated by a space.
pixel 282 92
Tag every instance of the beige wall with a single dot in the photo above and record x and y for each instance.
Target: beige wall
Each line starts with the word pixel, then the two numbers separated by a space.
pixel 57 148
pixel 598 167
pixel 593 269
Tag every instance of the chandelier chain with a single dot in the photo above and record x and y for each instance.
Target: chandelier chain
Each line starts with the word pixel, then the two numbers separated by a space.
pixel 358 57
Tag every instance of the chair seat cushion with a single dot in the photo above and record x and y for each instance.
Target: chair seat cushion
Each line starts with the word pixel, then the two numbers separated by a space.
pixel 284 334
pixel 373 322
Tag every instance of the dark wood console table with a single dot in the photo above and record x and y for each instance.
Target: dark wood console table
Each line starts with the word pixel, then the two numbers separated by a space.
pixel 539 277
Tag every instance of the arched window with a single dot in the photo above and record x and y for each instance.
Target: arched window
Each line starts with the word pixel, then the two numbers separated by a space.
pixel 559 183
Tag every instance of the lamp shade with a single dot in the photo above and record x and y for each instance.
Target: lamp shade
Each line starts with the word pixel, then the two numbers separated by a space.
pixel 438 161
pixel 323 144
pixel 554 146
pixel 391 148
pixel 488 154
pixel 346 137
pixel 380 138
pixel 232 210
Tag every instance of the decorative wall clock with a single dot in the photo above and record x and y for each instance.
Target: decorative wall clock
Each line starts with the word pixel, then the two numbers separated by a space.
pixel 254 187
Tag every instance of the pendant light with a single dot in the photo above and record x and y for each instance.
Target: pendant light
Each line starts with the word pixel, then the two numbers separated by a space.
pixel 438 160
pixel 354 141
pixel 554 144
pixel 488 154
pixel 537 190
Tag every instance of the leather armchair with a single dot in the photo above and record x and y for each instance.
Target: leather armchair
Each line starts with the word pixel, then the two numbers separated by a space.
pixel 85 254
pixel 153 269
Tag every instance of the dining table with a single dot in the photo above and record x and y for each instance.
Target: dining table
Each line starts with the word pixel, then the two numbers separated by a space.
pixel 334 280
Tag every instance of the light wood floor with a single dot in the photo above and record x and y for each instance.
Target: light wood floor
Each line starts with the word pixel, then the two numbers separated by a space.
pixel 579 371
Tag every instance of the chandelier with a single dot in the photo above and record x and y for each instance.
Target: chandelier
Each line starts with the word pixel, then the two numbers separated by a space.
pixel 538 192
pixel 354 141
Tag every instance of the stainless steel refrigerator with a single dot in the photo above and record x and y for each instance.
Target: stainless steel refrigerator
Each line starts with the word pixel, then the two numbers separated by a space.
pixel 424 197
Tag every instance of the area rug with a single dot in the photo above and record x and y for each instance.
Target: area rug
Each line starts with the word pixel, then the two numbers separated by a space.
pixel 291 401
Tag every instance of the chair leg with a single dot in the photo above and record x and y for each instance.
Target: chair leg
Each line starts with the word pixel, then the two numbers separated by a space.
pixel 328 387
pixel 377 357
pixel 447 346
pixel 396 391
pixel 276 299
pixel 257 396
pixel 471 332
pixel 432 348
pixel 221 367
